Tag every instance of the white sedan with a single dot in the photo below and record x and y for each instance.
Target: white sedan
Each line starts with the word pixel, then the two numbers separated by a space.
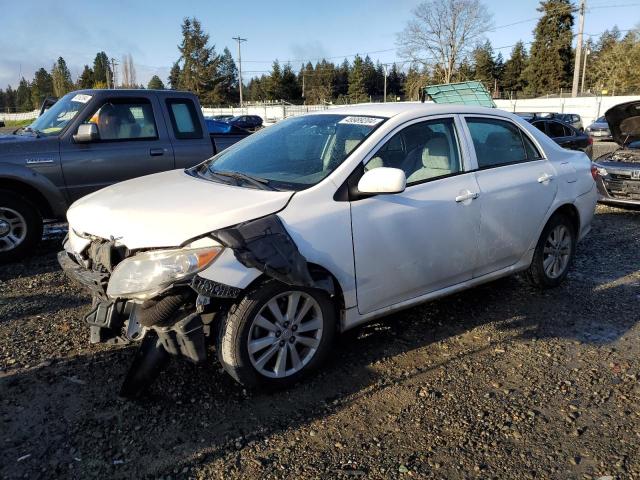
pixel 319 224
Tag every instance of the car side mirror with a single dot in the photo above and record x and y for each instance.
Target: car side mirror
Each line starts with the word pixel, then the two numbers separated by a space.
pixel 87 132
pixel 383 180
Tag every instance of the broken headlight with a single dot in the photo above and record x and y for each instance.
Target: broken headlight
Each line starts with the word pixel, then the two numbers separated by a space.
pixel 146 274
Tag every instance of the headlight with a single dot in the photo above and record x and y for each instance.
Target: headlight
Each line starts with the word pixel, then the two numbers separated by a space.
pixel 144 275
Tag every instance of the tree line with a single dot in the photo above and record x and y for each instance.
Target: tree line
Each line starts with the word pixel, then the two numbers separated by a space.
pixel 428 57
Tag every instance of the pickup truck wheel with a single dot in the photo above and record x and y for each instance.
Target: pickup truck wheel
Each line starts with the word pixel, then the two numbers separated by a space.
pixel 20 226
pixel 276 335
pixel 554 253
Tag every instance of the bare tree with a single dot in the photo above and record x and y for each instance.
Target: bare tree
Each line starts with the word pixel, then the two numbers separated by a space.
pixel 128 72
pixel 442 34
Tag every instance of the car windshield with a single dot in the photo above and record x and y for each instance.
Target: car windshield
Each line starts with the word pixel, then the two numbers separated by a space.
pixel 60 114
pixel 296 153
pixel 600 120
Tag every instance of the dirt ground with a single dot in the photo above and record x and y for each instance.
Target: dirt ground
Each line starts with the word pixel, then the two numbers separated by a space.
pixel 501 381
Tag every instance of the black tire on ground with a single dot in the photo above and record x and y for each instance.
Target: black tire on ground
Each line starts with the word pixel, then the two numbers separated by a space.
pixel 32 223
pixel 536 274
pixel 233 338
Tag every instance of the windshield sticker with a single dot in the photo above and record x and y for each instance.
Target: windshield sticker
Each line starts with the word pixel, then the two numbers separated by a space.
pixel 81 98
pixel 367 121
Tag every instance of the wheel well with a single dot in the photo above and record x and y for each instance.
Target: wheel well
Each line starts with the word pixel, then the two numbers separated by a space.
pixel 30 193
pixel 572 212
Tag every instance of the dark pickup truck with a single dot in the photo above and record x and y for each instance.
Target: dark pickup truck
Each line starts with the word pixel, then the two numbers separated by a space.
pixel 90 139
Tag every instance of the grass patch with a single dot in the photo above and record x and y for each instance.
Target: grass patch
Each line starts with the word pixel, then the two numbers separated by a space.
pixel 18 123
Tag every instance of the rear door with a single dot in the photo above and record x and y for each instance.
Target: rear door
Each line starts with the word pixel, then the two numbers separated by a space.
pixel 133 142
pixel 517 187
pixel 191 141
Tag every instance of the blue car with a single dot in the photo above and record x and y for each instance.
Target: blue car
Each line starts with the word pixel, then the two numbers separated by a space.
pixel 219 127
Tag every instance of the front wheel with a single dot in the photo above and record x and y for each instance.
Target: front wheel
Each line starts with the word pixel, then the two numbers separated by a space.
pixel 554 253
pixel 276 335
pixel 20 227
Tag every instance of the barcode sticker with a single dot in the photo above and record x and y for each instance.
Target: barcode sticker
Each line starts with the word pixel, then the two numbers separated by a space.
pixel 81 98
pixel 367 121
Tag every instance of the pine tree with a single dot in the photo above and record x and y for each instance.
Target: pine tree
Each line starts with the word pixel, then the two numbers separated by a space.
pixel 10 99
pixel 357 86
pixel 174 76
pixel 274 82
pixel 228 78
pixel 41 87
pixel 155 83
pixel 485 64
pixel 550 66
pixel 513 79
pixel 199 71
pixel 85 80
pixel 289 86
pixel 369 76
pixel 102 74
pixel 61 77
pixel 23 96
pixel 341 80
pixel 395 82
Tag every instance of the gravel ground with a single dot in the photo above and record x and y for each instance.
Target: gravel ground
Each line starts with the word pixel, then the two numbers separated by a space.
pixel 501 381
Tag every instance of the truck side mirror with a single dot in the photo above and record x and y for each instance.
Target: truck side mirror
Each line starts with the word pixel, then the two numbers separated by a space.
pixel 87 132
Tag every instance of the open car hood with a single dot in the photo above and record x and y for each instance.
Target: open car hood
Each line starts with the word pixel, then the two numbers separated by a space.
pixel 624 122
pixel 167 209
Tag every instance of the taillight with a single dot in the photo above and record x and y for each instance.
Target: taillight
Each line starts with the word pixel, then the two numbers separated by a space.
pixel 594 172
pixel 589 140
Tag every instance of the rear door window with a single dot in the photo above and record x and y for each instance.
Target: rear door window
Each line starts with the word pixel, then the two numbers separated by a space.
pixel 496 142
pixel 556 129
pixel 184 118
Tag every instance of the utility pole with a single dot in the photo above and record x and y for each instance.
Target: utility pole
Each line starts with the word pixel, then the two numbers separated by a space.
pixel 576 66
pixel 386 73
pixel 239 40
pixel 114 64
pixel 584 67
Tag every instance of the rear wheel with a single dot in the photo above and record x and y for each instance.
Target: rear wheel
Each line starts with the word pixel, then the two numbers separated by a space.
pixel 20 226
pixel 276 335
pixel 554 253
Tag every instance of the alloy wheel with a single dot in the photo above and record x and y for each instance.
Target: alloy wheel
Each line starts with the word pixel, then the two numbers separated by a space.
pixel 557 251
pixel 285 334
pixel 13 229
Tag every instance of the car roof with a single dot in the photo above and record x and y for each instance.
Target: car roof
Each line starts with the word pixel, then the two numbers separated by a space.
pixel 416 109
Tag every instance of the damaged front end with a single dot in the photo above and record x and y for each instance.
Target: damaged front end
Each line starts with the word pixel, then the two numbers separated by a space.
pixel 158 298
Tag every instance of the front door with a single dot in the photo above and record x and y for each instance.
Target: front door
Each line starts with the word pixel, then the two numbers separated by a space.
pixel 425 238
pixel 133 142
pixel 517 187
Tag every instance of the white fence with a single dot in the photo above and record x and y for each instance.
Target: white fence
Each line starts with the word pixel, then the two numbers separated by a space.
pixel 589 108
pixel 14 117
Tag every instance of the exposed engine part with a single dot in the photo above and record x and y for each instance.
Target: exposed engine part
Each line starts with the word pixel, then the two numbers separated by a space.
pixel 104 255
pixel 185 337
pixel 151 358
pixel 211 288
pixel 157 311
pixel 106 321
pixel 626 155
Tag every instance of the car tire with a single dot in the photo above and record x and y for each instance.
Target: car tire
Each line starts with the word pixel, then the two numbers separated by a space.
pixel 260 350
pixel 20 226
pixel 554 253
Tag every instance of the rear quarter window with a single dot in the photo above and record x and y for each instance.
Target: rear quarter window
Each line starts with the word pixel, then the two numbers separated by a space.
pixel 184 118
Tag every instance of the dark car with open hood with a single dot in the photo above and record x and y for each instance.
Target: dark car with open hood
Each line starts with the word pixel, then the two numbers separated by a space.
pixel 617 174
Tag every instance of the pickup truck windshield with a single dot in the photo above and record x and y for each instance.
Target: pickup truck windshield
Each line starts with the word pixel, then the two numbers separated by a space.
pixel 296 153
pixel 60 114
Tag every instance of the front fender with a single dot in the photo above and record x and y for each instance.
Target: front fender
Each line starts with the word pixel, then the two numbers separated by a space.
pixel 13 175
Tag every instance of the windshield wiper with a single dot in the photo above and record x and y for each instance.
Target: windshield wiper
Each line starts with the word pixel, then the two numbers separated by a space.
pixel 30 130
pixel 259 182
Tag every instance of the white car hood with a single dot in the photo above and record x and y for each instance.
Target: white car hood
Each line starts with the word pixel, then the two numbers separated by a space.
pixel 167 209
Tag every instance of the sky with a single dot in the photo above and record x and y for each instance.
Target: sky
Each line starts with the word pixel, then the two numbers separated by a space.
pixel 35 33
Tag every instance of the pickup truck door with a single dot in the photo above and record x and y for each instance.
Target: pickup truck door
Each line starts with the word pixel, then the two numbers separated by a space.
pixel 189 136
pixel 133 142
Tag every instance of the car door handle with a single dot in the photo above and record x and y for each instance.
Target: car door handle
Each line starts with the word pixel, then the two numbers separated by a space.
pixel 156 152
pixel 463 197
pixel 545 178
